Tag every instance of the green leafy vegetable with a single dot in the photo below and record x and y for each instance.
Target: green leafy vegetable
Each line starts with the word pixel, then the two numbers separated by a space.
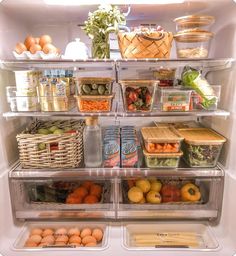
pixel 192 78
pixel 99 25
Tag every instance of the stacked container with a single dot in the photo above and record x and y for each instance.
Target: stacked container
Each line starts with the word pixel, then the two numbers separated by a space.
pixel 193 36
pixel 161 147
pixel 94 94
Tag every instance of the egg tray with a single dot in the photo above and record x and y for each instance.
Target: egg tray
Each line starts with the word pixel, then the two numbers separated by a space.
pixel 58 199
pixel 28 226
pixel 178 183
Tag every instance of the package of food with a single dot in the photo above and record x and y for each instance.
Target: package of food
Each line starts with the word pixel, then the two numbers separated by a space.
pixel 202 146
pixel 56 104
pixel 193 45
pixel 93 103
pixel 193 79
pixel 175 100
pixel 138 95
pixel 194 23
pixel 95 86
pixel 162 160
pixel 27 79
pixel 161 139
pixel 166 76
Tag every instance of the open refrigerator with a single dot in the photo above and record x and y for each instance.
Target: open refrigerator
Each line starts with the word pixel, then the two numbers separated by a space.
pixel 20 210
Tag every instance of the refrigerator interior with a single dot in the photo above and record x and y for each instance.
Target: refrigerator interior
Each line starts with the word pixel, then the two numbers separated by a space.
pixel 20 18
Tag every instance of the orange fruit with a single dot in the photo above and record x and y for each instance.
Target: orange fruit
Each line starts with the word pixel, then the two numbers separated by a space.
pixel 74 199
pixel 87 184
pixel 90 199
pixel 81 192
pixel 95 190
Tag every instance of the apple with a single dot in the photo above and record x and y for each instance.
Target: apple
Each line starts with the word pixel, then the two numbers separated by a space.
pixel 153 197
pixel 135 194
pixel 143 184
pixel 156 186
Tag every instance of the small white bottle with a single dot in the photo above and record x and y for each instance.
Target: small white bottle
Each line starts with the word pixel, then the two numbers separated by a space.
pixel 92 143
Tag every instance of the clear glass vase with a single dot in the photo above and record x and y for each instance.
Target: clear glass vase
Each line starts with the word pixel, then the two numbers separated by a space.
pixel 101 47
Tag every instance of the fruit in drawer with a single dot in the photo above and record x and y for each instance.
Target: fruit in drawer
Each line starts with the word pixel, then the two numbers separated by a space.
pixel 156 186
pixel 74 199
pixel 170 193
pixel 81 192
pixel 153 197
pixel 143 184
pixel 190 192
pixel 90 199
pixel 135 194
pixel 87 184
pixel 95 190
pixel 143 201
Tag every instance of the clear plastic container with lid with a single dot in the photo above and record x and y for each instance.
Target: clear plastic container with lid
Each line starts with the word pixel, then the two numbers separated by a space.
pixel 202 146
pixel 194 23
pixel 193 45
pixel 162 160
pixel 138 95
pixel 161 139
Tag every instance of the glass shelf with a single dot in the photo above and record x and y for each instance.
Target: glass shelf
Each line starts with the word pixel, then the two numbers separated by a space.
pixel 18 172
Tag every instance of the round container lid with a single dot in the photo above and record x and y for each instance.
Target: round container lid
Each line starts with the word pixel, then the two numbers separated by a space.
pixel 195 20
pixel 193 37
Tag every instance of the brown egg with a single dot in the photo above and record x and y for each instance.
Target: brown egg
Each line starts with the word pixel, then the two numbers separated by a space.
pixel 88 239
pixel 37 40
pixel 98 234
pixel 85 232
pixel 36 231
pixel 35 238
pixel 47 232
pixel 49 48
pixel 30 243
pixel 29 40
pixel 90 199
pixel 48 239
pixel 43 244
pixel 73 231
pixel 90 245
pixel 76 244
pixel 34 48
pixel 20 47
pixel 62 238
pixel 75 239
pixel 45 39
pixel 60 243
pixel 61 231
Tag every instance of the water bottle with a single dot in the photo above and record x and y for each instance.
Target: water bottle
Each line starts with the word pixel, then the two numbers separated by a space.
pixel 92 143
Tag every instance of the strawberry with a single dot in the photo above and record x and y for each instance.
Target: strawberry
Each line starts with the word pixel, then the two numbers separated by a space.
pixel 133 96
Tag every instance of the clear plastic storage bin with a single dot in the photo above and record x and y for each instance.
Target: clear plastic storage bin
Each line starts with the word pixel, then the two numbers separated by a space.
pixel 138 95
pixel 194 23
pixel 93 103
pixel 95 86
pixel 201 147
pixel 56 104
pixel 193 45
pixel 175 100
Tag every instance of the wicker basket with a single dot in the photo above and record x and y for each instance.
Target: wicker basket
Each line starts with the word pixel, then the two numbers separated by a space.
pixel 145 44
pixel 61 151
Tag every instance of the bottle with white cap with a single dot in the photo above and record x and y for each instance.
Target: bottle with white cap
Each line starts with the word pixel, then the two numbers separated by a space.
pixel 92 143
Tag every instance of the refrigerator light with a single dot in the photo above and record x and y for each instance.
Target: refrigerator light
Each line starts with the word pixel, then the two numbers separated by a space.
pixel 117 2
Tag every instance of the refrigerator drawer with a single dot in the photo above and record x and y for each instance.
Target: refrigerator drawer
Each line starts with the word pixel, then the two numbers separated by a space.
pixel 58 198
pixel 62 236
pixel 171 198
pixel 169 236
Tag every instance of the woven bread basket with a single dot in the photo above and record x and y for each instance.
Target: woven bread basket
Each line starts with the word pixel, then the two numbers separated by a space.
pixel 156 44
pixel 60 151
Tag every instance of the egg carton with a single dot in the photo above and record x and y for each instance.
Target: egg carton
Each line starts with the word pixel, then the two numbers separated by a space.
pixel 28 226
pixel 178 183
pixel 39 55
